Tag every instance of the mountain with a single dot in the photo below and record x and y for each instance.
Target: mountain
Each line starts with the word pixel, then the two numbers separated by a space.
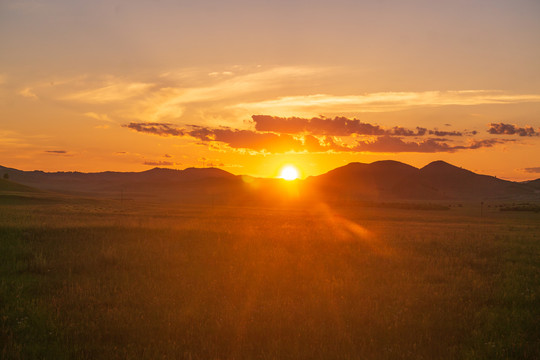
pixel 378 181
pixel 384 180
pixel 154 183
pixel 453 182
pixel 358 180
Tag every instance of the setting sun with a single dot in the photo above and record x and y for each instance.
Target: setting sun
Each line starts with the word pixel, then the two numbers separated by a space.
pixel 289 172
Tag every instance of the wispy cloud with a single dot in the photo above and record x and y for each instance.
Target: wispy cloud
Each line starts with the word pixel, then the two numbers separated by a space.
pixel 384 101
pixel 27 93
pixel 174 95
pixel 114 92
pixel 99 117
pixel 57 152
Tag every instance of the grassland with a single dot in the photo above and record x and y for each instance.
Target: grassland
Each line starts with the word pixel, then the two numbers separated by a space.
pixel 93 279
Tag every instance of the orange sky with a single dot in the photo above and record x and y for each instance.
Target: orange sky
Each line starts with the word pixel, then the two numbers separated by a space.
pixel 249 86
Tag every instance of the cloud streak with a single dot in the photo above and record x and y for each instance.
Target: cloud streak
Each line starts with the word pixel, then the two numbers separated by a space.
pixel 385 101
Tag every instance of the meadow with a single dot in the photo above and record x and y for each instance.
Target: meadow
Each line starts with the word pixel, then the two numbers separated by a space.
pixel 102 280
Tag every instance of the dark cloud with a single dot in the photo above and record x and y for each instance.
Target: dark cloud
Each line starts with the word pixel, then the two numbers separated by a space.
pixel 247 139
pixel 56 151
pixel 161 129
pixel 395 144
pixel 158 163
pixel 401 131
pixel 279 135
pixel 388 143
pixel 476 144
pixel 445 133
pixel 532 170
pixel 509 129
pixel 338 126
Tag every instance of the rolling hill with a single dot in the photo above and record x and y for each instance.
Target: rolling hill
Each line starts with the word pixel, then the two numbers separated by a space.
pixel 7 186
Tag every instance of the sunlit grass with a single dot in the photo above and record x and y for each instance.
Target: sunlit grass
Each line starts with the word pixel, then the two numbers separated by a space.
pixel 236 283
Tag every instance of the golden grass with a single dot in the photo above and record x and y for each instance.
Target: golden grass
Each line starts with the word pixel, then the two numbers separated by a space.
pixel 94 280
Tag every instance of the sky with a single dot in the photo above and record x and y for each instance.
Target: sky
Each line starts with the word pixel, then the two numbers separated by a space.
pixel 249 86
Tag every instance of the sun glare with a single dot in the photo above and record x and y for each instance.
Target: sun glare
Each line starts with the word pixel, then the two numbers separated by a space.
pixel 289 172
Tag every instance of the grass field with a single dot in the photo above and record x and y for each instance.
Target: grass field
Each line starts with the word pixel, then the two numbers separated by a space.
pixel 91 280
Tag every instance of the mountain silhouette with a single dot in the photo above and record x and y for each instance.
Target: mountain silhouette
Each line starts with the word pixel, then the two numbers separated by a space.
pixel 380 180
pixel 453 182
pixel 385 180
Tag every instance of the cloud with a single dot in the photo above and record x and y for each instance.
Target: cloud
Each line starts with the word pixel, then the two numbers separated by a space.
pixel 294 137
pixel 113 92
pixel 220 73
pixel 392 144
pixel 509 129
pixel 56 151
pixel 384 101
pixel 161 129
pixel 476 144
pixel 159 163
pixel 100 117
pixel 247 139
pixel 445 133
pixel 339 126
pixel 532 170
pixel 210 163
pixel 27 93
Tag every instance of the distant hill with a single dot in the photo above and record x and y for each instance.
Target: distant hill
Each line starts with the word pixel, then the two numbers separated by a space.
pixel 533 183
pixel 10 186
pixel 385 180
pixel 154 183
pixel 453 182
pixel 378 181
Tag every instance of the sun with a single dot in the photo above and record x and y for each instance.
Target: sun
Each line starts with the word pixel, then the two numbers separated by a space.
pixel 289 173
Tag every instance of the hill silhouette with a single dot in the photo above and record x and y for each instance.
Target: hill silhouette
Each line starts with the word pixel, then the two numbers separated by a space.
pixel 10 186
pixel 380 180
pixel 533 183
pixel 385 180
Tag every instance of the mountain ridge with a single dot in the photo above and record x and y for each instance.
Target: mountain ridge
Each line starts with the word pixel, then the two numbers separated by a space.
pixel 379 180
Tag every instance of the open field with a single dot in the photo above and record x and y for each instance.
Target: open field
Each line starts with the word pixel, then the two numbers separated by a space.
pixel 92 279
